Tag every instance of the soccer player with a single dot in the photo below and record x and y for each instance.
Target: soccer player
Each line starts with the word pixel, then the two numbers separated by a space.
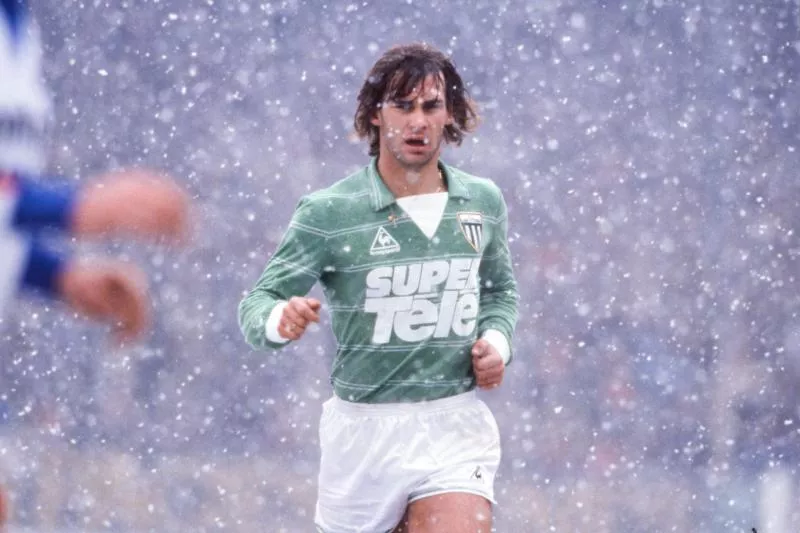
pixel 414 262
pixel 134 202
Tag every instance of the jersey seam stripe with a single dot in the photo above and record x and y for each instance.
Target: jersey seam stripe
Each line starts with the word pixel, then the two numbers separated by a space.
pixel 427 296
pixel 374 348
pixel 404 262
pixel 375 193
pixel 372 225
pixel 308 229
pixel 427 384
pixel 340 232
pixel 325 196
pixel 363 227
pixel 400 384
pixel 300 268
pixel 355 229
pixel 498 254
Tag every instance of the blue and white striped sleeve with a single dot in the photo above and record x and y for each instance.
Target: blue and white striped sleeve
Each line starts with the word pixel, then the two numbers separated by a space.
pixel 38 207
pixel 27 207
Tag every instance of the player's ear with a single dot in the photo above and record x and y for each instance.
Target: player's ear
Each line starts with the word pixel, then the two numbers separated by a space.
pixel 376 114
pixel 376 119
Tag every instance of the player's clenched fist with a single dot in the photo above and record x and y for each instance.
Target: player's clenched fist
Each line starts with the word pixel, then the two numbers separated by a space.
pixel 113 292
pixel 488 365
pixel 298 313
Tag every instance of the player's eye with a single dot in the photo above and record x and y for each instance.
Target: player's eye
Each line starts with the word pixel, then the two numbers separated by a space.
pixel 403 105
pixel 433 105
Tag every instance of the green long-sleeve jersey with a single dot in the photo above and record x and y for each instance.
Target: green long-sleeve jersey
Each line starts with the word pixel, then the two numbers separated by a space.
pixel 405 309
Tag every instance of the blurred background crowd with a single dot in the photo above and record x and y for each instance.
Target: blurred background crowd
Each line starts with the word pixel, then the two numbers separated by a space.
pixel 647 151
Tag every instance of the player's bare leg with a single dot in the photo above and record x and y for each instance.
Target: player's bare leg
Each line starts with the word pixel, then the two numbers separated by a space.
pixel 453 512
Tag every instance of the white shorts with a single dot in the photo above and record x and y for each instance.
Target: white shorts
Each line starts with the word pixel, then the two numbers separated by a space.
pixel 377 458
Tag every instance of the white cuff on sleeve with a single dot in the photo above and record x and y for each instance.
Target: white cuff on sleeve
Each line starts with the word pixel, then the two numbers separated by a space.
pixel 500 343
pixel 274 320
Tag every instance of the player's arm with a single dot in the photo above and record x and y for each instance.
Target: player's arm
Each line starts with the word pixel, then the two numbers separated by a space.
pixel 498 288
pixel 134 202
pixel 276 311
pixel 107 291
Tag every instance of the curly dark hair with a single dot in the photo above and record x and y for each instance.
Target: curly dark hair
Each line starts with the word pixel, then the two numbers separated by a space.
pixel 397 73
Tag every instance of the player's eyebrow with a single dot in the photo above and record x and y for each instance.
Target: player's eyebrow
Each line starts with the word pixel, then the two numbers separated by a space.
pixel 401 100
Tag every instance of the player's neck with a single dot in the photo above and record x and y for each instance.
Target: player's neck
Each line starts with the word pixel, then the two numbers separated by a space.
pixel 402 181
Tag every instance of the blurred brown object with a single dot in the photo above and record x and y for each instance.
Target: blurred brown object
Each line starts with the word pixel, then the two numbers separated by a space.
pixel 135 202
pixel 5 510
pixel 110 291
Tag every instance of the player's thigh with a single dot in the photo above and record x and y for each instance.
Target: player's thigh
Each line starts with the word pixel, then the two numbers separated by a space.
pixel 451 512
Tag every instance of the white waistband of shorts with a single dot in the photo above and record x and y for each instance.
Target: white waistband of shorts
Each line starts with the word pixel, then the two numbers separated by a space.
pixel 428 406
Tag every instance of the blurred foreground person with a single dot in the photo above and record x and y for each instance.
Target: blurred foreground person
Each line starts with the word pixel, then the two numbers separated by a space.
pixel 413 257
pixel 134 203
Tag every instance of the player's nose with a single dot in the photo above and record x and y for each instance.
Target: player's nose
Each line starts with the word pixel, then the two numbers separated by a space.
pixel 417 121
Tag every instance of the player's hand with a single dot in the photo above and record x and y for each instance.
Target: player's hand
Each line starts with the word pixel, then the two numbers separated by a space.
pixel 133 202
pixel 111 292
pixel 297 315
pixel 487 364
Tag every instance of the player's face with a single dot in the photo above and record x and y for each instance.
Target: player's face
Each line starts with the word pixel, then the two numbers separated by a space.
pixel 412 127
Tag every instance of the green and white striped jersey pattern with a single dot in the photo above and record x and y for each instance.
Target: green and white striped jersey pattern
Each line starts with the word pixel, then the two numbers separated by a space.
pixel 405 309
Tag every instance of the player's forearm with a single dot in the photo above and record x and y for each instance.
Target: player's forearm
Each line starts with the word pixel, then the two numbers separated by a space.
pixel 498 312
pixel 499 303
pixel 499 296
pixel 254 314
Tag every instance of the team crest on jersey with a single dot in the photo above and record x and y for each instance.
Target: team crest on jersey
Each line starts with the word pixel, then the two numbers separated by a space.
pixel 383 243
pixel 472 228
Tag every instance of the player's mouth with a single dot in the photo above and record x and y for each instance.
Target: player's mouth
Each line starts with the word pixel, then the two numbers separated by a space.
pixel 417 142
